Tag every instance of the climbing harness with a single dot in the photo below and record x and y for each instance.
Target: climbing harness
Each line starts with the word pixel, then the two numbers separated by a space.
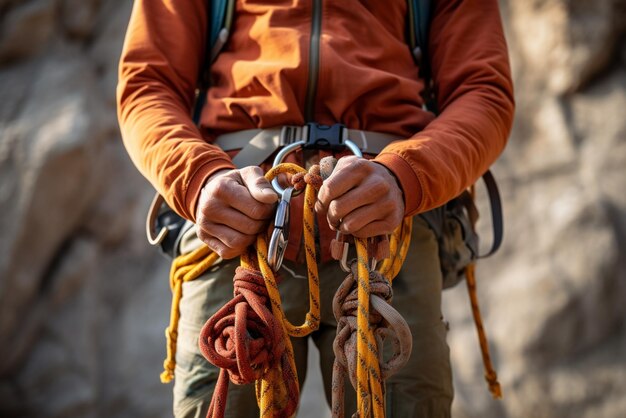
pixel 248 337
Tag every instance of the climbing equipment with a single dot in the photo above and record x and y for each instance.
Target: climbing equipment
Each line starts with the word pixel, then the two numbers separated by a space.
pixel 249 337
pixel 184 268
pixel 361 331
pixel 280 235
pixel 448 222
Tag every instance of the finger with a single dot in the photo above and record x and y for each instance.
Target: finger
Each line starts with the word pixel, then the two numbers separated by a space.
pixel 236 195
pixel 227 242
pixel 234 219
pixel 347 174
pixel 257 184
pixel 373 229
pixel 350 201
pixel 361 218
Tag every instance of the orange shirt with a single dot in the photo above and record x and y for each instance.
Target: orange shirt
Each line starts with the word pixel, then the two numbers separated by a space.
pixel 366 79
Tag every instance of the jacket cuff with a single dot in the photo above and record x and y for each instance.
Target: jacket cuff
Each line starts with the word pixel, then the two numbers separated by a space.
pixel 407 178
pixel 197 182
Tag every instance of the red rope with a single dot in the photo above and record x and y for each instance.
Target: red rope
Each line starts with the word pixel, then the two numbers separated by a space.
pixel 246 341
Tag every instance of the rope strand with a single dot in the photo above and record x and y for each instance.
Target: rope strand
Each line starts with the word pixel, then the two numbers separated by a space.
pixel 490 374
pixel 248 337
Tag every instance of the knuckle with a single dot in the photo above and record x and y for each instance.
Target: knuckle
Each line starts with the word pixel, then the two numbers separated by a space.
pixel 252 174
pixel 215 245
pixel 227 253
pixel 260 212
pixel 334 210
pixel 219 189
pixel 322 195
pixel 361 164
pixel 238 241
pixel 251 169
pixel 379 188
pixel 203 236
pixel 387 206
pixel 256 227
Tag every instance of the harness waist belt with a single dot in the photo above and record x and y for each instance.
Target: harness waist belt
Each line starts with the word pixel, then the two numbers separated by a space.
pixel 258 144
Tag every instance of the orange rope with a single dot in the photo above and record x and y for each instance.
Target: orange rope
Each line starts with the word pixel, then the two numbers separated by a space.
pixel 490 373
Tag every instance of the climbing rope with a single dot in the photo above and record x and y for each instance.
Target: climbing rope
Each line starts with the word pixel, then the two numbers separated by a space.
pixel 249 346
pixel 248 337
pixel 358 343
pixel 247 342
pixel 386 324
pixel 470 279
pixel 490 373
pixel 184 268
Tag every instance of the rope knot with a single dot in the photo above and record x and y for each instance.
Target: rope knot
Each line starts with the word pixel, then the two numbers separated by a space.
pixel 312 177
pixel 244 339
pixel 366 369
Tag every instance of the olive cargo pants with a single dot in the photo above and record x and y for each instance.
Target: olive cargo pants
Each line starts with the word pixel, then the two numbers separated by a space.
pixel 423 388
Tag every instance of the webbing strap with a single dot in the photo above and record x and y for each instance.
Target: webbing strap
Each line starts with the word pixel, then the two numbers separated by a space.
pixel 496 213
pixel 258 144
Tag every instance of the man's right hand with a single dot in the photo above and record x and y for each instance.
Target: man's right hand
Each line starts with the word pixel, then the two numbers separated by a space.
pixel 234 206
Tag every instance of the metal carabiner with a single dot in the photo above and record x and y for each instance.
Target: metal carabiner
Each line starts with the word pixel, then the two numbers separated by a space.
pixel 280 235
pixel 279 159
pixel 298 144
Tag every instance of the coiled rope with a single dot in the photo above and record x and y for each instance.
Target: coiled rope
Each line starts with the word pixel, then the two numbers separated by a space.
pixel 368 330
pixel 365 367
pixel 248 337
pixel 246 341
pixel 276 388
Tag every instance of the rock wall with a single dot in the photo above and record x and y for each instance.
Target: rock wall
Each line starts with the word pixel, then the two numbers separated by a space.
pixel 84 301
pixel 554 295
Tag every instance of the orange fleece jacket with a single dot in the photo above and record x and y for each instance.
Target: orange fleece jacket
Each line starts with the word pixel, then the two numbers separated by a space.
pixel 367 80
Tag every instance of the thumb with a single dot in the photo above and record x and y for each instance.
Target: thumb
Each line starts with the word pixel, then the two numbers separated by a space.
pixel 257 185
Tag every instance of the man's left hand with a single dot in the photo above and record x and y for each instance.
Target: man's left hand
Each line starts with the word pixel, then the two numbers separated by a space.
pixel 361 198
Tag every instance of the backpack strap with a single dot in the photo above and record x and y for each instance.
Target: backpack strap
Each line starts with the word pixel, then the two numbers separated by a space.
pixel 420 14
pixel 419 25
pixel 219 20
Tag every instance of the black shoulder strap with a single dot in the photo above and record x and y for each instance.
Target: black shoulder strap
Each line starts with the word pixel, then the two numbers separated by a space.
pixel 496 213
pixel 219 20
pixel 419 25
pixel 420 15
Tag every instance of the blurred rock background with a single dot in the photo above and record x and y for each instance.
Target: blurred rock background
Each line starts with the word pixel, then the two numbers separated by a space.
pixel 84 301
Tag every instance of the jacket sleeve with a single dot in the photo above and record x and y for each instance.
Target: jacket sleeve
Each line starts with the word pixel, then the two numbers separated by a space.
pixel 158 74
pixel 474 91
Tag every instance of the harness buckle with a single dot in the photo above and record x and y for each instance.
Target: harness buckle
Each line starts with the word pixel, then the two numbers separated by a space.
pixel 315 136
pixel 280 235
pixel 326 137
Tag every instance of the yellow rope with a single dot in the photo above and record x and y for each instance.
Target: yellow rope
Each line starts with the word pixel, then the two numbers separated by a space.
pixel 184 268
pixel 399 243
pixel 312 318
pixel 271 390
pixel 369 380
pixel 490 374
